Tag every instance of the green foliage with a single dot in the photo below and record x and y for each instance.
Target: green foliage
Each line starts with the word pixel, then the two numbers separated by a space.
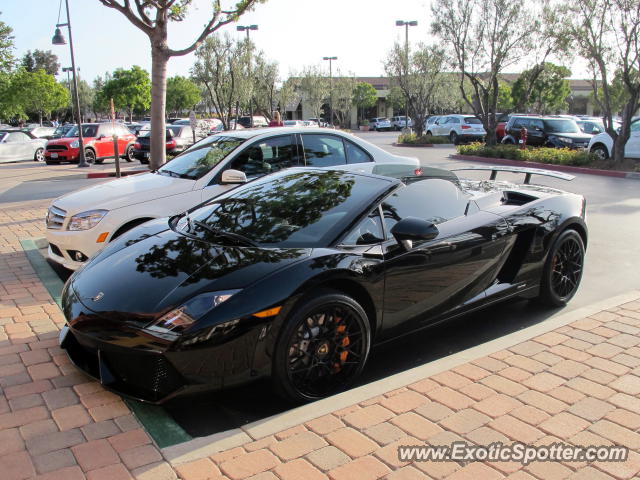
pixel 314 85
pixel 505 99
pixel 547 93
pixel 414 139
pixel 343 97
pixel 46 60
pixel 396 98
pixel 182 94
pixel 9 105
pixel 364 96
pixel 557 156
pixel 38 92
pixel 618 94
pixel 6 47
pixel 130 90
pixel 86 94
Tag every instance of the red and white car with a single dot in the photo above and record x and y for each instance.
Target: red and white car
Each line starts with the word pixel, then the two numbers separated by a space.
pixel 98 144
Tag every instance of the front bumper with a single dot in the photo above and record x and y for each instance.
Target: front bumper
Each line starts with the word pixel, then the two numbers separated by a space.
pixel 63 245
pixel 70 155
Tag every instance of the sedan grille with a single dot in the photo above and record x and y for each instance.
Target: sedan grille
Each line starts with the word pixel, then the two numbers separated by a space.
pixel 56 148
pixel 55 218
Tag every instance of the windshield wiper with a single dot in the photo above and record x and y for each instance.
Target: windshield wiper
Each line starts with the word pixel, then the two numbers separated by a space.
pixel 221 233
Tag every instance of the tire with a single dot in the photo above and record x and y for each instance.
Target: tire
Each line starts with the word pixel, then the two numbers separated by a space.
pixel 90 156
pixel 301 376
pixel 128 153
pixel 562 271
pixel 600 151
pixel 508 141
pixel 38 156
pixel 453 136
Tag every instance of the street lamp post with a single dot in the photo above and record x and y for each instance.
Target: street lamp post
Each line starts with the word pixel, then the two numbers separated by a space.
pixel 406 25
pixel 248 28
pixel 58 39
pixel 73 109
pixel 330 86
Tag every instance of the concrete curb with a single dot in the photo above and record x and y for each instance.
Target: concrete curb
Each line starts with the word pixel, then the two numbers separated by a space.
pixel 413 145
pixel 205 446
pixel 123 173
pixel 547 166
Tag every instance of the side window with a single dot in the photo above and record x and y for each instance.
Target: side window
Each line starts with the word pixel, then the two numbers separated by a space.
pixel 454 120
pixel 535 123
pixel 518 123
pixel 367 232
pixel 106 130
pixel 323 150
pixel 265 156
pixel 635 126
pixel 432 199
pixel 17 137
pixel 355 154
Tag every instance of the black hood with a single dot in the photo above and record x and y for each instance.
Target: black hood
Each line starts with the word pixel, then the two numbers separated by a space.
pixel 159 272
pixel 583 137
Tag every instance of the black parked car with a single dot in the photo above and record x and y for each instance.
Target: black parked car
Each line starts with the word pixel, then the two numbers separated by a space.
pixel 295 275
pixel 546 131
pixel 178 139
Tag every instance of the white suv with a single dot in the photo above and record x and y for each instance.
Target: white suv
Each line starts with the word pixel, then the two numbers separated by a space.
pixel 601 145
pixel 400 122
pixel 379 123
pixel 458 128
pixel 80 223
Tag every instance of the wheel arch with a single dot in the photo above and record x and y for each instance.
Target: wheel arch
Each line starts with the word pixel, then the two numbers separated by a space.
pixel 600 144
pixel 129 225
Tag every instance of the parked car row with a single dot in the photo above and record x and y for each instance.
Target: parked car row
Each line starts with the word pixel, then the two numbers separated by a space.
pixel 289 253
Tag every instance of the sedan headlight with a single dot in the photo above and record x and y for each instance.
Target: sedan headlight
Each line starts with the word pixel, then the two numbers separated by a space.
pixel 86 220
pixel 184 316
pixel 565 140
pixel 75 144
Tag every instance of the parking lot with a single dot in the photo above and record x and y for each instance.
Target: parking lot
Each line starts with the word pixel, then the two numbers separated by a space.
pixel 613 210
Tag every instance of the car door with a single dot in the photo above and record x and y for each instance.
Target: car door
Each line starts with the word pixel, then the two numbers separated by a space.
pixel 124 138
pixel 440 125
pixel 535 132
pixel 632 148
pixel 104 141
pixel 440 276
pixel 19 146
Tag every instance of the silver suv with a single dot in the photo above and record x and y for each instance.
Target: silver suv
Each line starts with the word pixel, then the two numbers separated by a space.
pixel 399 122
pixel 380 123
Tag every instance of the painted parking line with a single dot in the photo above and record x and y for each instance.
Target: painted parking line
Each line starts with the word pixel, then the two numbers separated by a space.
pixel 158 423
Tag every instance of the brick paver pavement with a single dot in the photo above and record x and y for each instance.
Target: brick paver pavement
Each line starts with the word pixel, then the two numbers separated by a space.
pixel 578 384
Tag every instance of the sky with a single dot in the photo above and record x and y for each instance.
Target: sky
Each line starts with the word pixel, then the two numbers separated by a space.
pixel 294 33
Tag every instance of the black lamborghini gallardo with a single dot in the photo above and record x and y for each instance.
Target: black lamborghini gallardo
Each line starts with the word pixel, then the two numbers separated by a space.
pixel 296 275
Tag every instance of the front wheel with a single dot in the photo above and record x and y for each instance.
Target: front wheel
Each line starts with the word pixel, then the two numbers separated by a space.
pixel 128 154
pixel 90 156
pixel 563 270
pixel 38 156
pixel 453 136
pixel 322 347
pixel 600 152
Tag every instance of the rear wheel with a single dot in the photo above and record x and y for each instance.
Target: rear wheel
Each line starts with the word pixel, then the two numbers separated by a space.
pixel 90 156
pixel 39 155
pixel 128 154
pixel 322 348
pixel 453 136
pixel 563 270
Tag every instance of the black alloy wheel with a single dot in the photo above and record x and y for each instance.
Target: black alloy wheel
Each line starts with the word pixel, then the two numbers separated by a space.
pixel 128 155
pixel 563 269
pixel 89 156
pixel 323 347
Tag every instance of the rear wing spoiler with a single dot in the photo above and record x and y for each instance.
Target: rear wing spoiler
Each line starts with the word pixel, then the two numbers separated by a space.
pixel 528 172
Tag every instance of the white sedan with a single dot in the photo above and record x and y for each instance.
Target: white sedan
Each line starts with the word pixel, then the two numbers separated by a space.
pixel 16 146
pixel 601 145
pixel 80 223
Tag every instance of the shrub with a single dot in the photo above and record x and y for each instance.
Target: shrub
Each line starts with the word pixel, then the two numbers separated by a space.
pixel 413 139
pixel 557 156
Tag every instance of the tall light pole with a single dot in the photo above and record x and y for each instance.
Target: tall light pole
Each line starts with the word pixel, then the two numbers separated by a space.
pixel 406 25
pixel 58 39
pixel 248 28
pixel 330 86
pixel 73 110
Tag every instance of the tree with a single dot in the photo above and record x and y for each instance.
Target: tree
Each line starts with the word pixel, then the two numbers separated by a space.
pixel 607 35
pixel 286 94
pixel 221 67
pixel 315 88
pixel 418 79
pixel 6 47
pixel 86 95
pixel 152 18
pixel 38 92
pixel 46 60
pixel 130 90
pixel 343 88
pixel 182 94
pixel 618 95
pixel 396 98
pixel 265 79
pixel 484 37
pixel 364 96
pixel 505 97
pixel 548 93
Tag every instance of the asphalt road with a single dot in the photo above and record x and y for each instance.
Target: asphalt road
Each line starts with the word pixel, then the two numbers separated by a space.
pixel 613 208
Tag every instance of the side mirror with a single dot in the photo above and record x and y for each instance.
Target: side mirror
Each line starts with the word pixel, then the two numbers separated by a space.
pixel 233 176
pixel 410 228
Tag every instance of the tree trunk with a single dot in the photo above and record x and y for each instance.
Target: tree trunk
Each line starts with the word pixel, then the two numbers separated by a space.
pixel 618 148
pixel 159 60
pixel 40 115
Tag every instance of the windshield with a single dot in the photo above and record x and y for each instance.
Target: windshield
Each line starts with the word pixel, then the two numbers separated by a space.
pixel 87 131
pixel 289 209
pixel 561 126
pixel 198 160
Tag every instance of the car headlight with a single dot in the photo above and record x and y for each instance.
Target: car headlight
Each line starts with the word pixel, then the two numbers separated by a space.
pixel 179 319
pixel 75 144
pixel 86 220
pixel 565 140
